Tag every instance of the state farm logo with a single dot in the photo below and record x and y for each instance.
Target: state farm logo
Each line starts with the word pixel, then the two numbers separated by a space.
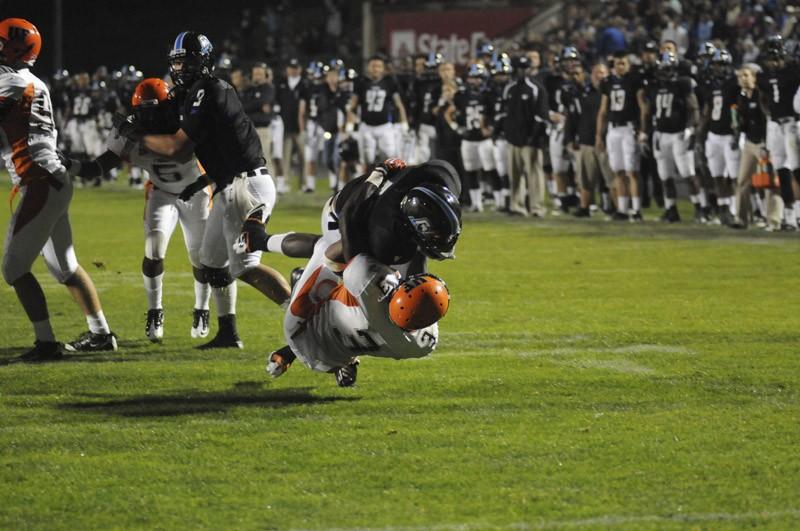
pixel 455 49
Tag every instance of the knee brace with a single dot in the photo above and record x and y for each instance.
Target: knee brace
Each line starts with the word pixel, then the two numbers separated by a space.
pixel 200 274
pixel 152 268
pixel 218 277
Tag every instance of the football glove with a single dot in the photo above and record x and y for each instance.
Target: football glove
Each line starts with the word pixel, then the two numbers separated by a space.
pixel 127 126
pixel 193 188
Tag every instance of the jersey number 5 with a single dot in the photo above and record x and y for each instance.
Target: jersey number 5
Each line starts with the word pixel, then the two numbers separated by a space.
pixel 167 171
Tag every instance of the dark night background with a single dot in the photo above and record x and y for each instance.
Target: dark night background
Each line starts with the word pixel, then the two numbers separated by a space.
pixel 116 32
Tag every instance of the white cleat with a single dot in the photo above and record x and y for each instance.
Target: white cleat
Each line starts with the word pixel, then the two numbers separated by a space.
pixel 154 328
pixel 199 323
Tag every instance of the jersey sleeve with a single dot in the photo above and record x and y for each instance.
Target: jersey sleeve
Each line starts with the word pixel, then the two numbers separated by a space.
pixel 12 88
pixel 199 110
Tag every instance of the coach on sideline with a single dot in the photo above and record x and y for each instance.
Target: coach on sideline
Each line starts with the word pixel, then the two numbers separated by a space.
pixel 257 102
pixel 526 113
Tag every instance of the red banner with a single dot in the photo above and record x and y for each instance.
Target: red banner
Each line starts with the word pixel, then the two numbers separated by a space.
pixel 454 34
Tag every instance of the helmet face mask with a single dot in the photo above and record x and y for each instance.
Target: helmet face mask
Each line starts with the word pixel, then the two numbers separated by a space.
pixel 432 215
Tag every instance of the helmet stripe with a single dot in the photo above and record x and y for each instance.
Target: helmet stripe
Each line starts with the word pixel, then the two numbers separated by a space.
pixel 451 215
pixel 179 41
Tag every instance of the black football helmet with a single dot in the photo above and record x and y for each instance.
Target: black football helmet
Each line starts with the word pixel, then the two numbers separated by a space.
pixel 775 47
pixel 667 66
pixel 192 51
pixel 706 53
pixel 432 215
pixel 348 150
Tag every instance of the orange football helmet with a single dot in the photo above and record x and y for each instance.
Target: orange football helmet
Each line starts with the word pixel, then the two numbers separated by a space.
pixel 149 92
pixel 20 41
pixel 419 301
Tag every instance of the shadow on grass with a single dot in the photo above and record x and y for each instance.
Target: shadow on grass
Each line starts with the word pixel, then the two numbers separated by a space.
pixel 193 401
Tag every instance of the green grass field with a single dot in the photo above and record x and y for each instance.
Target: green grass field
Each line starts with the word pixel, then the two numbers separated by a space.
pixel 589 375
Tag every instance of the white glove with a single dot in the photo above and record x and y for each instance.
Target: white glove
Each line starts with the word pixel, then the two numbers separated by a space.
pixel 688 133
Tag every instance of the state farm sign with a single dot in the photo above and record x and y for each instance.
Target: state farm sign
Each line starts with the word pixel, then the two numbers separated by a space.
pixel 454 34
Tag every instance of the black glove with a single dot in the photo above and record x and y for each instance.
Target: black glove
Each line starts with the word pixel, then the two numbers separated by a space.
pixel 127 126
pixel 193 188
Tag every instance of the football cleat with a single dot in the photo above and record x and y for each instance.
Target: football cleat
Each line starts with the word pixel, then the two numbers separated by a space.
pixel 619 216
pixel 91 342
pixel 200 323
pixel 671 215
pixel 41 352
pixel 636 217
pixel 154 326
pixel 280 361
pixel 582 213
pixel 346 376
pixel 223 341
pixel 700 215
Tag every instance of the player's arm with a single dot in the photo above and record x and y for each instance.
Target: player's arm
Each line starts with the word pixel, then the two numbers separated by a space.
pixel 644 111
pixel 692 110
pixel 602 123
pixel 301 115
pixel 351 107
pixel 177 146
pixel 705 118
pixel 97 167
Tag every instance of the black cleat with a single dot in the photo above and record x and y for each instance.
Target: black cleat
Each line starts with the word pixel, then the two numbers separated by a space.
pixel 700 214
pixel 154 327
pixel 199 323
pixel 91 342
pixel 223 341
pixel 42 351
pixel 671 215
pixel 636 217
pixel 346 376
pixel 619 216
pixel 582 213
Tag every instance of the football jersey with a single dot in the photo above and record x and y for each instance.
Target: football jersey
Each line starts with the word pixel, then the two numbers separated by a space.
pixel 473 112
pixel 168 175
pixel 227 143
pixel 720 96
pixel 668 100
pixel 621 93
pixel 29 138
pixel 340 321
pixel 82 104
pixel 376 100
pixel 312 102
pixel 779 87
pixel 428 92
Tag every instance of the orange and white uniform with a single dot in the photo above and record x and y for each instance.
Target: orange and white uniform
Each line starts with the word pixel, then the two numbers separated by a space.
pixel 28 139
pixel 330 320
pixel 163 208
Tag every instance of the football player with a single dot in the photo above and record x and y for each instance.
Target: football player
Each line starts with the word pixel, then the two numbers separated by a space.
pixel 500 76
pixel 390 220
pixel 721 146
pixel 377 101
pixel 81 128
pixel 778 84
pixel 428 92
pixel 313 133
pixel 177 191
pixel 40 224
pixel 473 104
pixel 671 105
pixel 290 91
pixel 216 130
pixel 620 104
pixel 559 84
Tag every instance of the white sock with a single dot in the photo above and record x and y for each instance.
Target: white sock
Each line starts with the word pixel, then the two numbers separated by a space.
pixel 43 331
pixel 622 204
pixel 570 190
pixel 797 209
pixel 97 323
pixel 605 201
pixel 669 202
pixel 202 292
pixel 498 198
pixel 551 187
pixel 275 242
pixel 732 207
pixel 694 199
pixel 788 216
pixel 225 299
pixel 152 287
pixel 281 182
pixel 311 182
pixel 475 197
pixel 636 203
pixel 703 199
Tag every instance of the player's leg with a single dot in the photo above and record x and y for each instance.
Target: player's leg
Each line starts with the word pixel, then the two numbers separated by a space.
pixel 630 154
pixel 793 164
pixel 28 231
pixel 744 183
pixel 584 179
pixel 776 145
pixel 685 163
pixel 500 152
pixel 193 215
pixel 471 183
pixel 310 154
pixel 662 151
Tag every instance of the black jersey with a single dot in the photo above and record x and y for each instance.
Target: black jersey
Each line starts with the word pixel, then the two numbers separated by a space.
pixel 473 112
pixel 623 107
pixel 330 104
pixel 312 101
pixel 376 100
pixel 668 102
pixel 82 104
pixel 369 212
pixel 428 91
pixel 720 96
pixel 751 119
pixel 226 140
pixel 288 99
pixel 495 96
pixel 778 88
pixel 554 83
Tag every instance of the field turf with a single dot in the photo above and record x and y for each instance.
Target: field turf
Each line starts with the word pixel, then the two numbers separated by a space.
pixel 589 375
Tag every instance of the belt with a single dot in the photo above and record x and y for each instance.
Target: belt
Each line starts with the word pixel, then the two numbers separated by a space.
pixel 785 120
pixel 621 124
pixel 254 173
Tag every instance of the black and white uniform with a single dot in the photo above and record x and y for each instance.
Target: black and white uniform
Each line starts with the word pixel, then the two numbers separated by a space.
pixel 428 91
pixel 722 150
pixel 779 88
pixel 623 114
pixel 557 86
pixel 499 144
pixel 668 101
pixel 82 130
pixel 163 209
pixel 477 151
pixel 376 109
pixel 315 134
pixel 228 147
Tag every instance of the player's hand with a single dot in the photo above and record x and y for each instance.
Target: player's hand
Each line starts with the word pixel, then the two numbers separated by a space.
pixel 392 165
pixel 188 192
pixel 252 238
pixel 127 127
pixel 599 144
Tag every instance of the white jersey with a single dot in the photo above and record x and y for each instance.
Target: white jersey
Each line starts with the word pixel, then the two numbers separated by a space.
pixel 168 175
pixel 28 136
pixel 328 323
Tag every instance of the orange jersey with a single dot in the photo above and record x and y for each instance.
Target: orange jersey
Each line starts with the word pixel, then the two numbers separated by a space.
pixel 28 136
